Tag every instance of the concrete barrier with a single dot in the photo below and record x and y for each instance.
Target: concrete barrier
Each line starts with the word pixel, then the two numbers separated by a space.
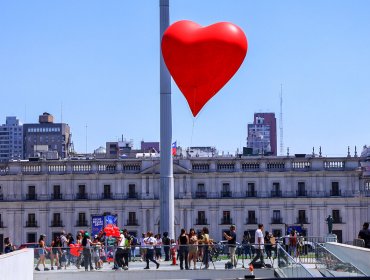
pixel 357 256
pixel 17 265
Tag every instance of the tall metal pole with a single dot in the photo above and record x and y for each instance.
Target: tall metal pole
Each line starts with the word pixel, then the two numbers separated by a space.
pixel 167 201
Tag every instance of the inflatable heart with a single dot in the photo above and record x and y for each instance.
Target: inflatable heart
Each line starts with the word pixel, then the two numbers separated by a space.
pixel 202 60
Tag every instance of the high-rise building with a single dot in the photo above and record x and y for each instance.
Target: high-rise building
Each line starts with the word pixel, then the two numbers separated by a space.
pixel 46 138
pixel 11 139
pixel 262 134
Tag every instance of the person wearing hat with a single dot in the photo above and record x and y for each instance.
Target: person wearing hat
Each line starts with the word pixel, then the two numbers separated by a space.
pixel 86 244
pixel 42 253
pixel 231 242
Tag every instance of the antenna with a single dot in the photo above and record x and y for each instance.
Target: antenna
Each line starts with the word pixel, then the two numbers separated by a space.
pixel 61 112
pixel 86 140
pixel 281 121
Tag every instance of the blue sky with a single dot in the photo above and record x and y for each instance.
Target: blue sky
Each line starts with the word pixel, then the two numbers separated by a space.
pixel 96 64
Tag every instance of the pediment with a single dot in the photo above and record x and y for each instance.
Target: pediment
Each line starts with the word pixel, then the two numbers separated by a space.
pixel 155 169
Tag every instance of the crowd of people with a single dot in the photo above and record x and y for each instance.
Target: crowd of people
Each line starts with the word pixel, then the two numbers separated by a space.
pixel 189 248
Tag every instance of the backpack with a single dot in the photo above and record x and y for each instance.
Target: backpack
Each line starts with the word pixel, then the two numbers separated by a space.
pixel 229 265
pixel 135 241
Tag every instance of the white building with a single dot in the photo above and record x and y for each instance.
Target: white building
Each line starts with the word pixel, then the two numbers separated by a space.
pixel 11 140
pixel 48 196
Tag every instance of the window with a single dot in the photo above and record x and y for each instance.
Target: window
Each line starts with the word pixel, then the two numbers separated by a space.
pixel 301 189
pixel 226 219
pixel 31 192
pixel 132 191
pixel 201 191
pixel 276 192
pixel 201 220
pixel 367 186
pixel 201 188
pixel 302 219
pixel 56 222
pixel 335 191
pixel 132 219
pixel 56 192
pixel 31 237
pixel 252 217
pixel 225 190
pixel 81 219
pixel 81 192
pixel 31 221
pixel 147 185
pixel 336 217
pixel 251 191
pixel 107 193
pixel 276 218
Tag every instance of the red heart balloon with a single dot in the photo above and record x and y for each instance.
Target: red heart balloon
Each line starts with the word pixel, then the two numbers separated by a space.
pixel 202 60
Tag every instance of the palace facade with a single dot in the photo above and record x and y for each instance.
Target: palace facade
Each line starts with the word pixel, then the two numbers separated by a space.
pixel 51 196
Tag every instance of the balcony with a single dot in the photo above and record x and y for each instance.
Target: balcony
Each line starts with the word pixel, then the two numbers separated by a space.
pixel 31 196
pixel 31 223
pixel 301 193
pixel 81 196
pixel 226 221
pixel 337 220
pixel 106 195
pixel 201 221
pixel 56 224
pixel 276 193
pixel 302 220
pixel 251 221
pixel 1 196
pixel 57 196
pixel 81 223
pixel 277 220
pixel 251 194
pixel 132 222
pixel 335 193
pixel 226 194
pixel 200 194
pixel 132 195
pixel 1 224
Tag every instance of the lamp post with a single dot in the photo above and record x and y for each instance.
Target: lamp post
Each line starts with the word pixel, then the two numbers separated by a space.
pixel 166 188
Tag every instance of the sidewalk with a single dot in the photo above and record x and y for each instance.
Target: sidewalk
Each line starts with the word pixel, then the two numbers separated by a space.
pixel 166 271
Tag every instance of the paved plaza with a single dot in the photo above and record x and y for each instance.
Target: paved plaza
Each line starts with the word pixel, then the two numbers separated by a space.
pixel 165 271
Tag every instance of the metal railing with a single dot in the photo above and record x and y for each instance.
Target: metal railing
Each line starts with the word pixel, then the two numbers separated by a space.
pixel 289 267
pixel 331 265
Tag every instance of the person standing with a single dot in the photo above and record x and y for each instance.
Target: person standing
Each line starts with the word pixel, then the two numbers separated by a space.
pixel 293 240
pixel 150 242
pixel 166 241
pixel 259 245
pixel 120 252
pixel 42 252
pixel 193 248
pixel 86 244
pixel 183 242
pixel 365 234
pixel 126 248
pixel 158 247
pixel 246 242
pixel 205 241
pixel 231 242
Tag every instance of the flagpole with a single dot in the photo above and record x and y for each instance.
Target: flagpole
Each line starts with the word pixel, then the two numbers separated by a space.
pixel 166 189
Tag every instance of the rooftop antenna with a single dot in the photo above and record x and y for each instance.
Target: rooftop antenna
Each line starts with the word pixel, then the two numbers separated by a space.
pixel 281 121
pixel 86 139
pixel 61 112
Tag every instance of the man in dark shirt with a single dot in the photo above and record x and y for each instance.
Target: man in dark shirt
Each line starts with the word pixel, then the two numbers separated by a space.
pixel 231 241
pixel 365 234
